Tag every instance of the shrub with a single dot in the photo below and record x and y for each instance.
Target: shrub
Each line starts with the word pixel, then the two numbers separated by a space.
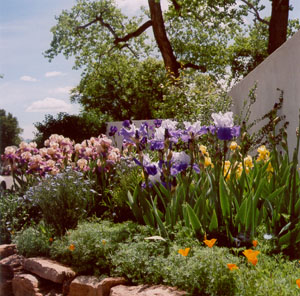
pixel 33 241
pixel 91 243
pixel 16 213
pixel 64 199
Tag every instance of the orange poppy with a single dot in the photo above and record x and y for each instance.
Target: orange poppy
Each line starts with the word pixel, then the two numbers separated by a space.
pixel 254 243
pixel 72 247
pixel 184 252
pixel 232 266
pixel 210 242
pixel 251 256
pixel 298 282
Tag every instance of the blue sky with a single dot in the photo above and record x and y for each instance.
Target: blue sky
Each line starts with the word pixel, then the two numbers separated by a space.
pixel 33 87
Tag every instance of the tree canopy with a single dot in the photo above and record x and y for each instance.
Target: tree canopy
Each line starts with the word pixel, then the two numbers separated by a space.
pixel 122 61
pixel 9 130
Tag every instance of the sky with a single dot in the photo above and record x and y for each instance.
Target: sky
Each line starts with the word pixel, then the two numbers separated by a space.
pixel 32 87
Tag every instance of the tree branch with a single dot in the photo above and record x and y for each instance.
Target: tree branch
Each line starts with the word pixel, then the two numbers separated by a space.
pixel 255 12
pixel 136 33
pixel 177 6
pixel 193 66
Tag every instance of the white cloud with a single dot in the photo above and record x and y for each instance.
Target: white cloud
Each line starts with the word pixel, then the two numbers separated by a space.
pixel 54 74
pixel 62 90
pixel 49 105
pixel 28 78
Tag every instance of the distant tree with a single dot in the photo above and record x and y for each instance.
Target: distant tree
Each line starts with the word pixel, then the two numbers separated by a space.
pixel 75 127
pixel 9 130
pixel 123 88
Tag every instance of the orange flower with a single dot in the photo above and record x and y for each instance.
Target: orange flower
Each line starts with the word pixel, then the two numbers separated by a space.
pixel 232 266
pixel 298 282
pixel 50 239
pixel 184 252
pixel 251 256
pixel 71 247
pixel 254 243
pixel 210 242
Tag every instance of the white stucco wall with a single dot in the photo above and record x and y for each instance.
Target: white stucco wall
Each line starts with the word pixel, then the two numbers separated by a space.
pixel 280 70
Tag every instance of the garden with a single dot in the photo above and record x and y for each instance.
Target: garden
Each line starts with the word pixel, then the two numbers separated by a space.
pixel 211 209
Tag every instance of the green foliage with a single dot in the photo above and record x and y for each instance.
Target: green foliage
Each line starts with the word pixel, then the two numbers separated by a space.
pixel 126 178
pixel 93 243
pixel 75 127
pixel 193 97
pixel 16 213
pixel 9 130
pixel 33 241
pixel 122 88
pixel 64 199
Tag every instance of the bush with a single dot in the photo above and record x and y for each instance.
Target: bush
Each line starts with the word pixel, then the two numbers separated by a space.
pixel 33 241
pixel 16 213
pixel 64 199
pixel 87 248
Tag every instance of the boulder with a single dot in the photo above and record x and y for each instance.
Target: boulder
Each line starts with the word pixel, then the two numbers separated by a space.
pixel 7 250
pixel 26 285
pixel 84 285
pixel 49 269
pixel 106 284
pixel 145 290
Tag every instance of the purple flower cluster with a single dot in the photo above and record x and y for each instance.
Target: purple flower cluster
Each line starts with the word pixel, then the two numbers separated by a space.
pixel 164 135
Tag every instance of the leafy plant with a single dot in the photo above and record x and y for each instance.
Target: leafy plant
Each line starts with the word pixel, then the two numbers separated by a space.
pixel 64 199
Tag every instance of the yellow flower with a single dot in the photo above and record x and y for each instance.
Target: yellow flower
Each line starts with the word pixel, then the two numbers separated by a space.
pixel 207 162
pixel 184 252
pixel 263 153
pixel 210 242
pixel 227 170
pixel 254 243
pixel 233 146
pixel 239 170
pixel 103 242
pixel 248 162
pixel 270 168
pixel 232 266
pixel 298 282
pixel 251 256
pixel 203 150
pixel 71 247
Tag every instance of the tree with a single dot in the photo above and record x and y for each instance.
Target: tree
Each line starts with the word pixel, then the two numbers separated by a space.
pixel 122 88
pixel 76 127
pixel 9 130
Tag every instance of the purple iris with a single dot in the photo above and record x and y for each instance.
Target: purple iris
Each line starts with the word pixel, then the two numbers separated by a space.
pixel 112 131
pixel 127 123
pixel 151 169
pixel 157 145
pixel 224 133
pixel 157 123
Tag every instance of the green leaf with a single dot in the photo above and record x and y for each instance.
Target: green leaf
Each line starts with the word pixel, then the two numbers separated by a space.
pixel 213 225
pixel 195 222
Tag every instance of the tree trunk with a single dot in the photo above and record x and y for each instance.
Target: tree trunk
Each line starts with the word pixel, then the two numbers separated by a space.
pixel 278 24
pixel 161 38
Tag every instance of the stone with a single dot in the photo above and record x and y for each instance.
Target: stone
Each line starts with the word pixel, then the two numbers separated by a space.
pixel 106 284
pixel 9 266
pixel 84 285
pixel 25 285
pixel 7 250
pixel 49 269
pixel 145 290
